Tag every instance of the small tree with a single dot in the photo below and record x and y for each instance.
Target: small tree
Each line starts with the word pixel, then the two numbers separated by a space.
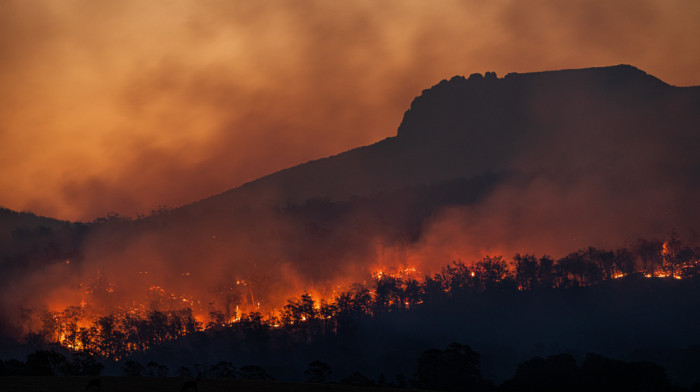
pixel 253 372
pixel 490 271
pixel 132 368
pixel 554 373
pixel 223 369
pixel 357 379
pixel 84 364
pixel 624 262
pixel 47 363
pixel 545 272
pixel 650 254
pixel 525 271
pixel 318 372
pixel 154 369
pixel 184 372
pixel 455 368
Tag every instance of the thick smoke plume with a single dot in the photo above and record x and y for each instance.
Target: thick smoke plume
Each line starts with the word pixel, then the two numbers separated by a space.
pixel 535 163
pixel 124 106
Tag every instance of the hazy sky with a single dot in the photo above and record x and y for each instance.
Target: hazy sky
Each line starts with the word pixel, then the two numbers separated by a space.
pixel 126 105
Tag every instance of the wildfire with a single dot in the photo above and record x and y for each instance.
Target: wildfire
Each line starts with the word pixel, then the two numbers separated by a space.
pixel 163 310
pixel 397 273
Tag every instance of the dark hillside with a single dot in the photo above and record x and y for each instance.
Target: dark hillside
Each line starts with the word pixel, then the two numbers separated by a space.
pixel 630 319
pixel 466 127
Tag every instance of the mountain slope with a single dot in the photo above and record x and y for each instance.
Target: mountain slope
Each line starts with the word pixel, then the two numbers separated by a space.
pixel 540 121
pixel 547 162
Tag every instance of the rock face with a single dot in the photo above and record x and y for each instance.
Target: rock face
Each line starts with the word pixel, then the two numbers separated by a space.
pixel 617 119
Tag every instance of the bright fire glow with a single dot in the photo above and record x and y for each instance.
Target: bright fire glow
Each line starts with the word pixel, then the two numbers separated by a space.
pixel 98 316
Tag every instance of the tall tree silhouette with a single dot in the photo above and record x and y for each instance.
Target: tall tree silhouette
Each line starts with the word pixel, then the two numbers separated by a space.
pixel 457 368
pixel 525 271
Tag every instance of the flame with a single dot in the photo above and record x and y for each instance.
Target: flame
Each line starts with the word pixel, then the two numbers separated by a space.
pixel 395 272
pixel 81 327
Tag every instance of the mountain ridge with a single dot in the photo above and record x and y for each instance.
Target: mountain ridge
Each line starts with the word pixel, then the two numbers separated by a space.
pixel 530 164
pixel 424 136
pixel 440 119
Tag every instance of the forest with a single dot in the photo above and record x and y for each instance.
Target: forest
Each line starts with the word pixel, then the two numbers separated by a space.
pixel 127 341
pixel 131 330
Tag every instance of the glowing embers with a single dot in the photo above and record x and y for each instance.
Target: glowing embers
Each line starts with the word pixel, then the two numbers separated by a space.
pixel 396 272
pixel 117 318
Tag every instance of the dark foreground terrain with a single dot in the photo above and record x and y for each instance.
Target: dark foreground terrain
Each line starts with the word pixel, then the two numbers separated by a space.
pixel 136 384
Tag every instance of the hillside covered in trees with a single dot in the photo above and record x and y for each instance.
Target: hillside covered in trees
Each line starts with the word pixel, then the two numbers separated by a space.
pixel 347 254
pixel 639 304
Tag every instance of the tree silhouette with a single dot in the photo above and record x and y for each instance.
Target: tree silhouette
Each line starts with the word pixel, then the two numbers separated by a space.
pixel 650 253
pixel 154 369
pixel 578 269
pixel 433 289
pixel 132 368
pixel 552 374
pixel 357 379
pixel 299 310
pixel 223 369
pixel 183 372
pixel 605 374
pixel 413 292
pixel 525 271
pixel 388 293
pixel 47 363
pixel 603 264
pixel 545 272
pixel 677 258
pixel 254 372
pixel 490 272
pixel 624 262
pixel 84 364
pixel 454 369
pixel 318 372
pixel 457 279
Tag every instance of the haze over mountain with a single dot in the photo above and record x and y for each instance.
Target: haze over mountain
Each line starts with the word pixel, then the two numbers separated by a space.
pixel 544 162
pixel 102 109
pixel 551 121
pixel 603 150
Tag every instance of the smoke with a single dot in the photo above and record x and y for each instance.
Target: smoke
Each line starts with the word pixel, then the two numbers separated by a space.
pixel 124 106
pixel 599 160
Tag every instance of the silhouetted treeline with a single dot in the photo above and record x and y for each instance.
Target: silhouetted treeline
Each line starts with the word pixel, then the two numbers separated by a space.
pixel 52 363
pixel 456 368
pixel 29 242
pixel 596 373
pixel 303 318
pixel 114 335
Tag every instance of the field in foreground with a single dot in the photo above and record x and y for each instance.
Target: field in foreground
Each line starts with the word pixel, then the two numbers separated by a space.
pixel 136 384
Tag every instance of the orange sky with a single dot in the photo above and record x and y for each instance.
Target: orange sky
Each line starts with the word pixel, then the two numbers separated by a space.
pixel 126 105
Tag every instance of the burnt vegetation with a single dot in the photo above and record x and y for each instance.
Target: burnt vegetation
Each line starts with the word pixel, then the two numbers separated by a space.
pixel 303 318
pixel 394 302
pixel 549 161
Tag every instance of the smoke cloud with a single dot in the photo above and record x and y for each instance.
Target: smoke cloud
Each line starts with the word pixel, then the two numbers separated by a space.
pixel 123 106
